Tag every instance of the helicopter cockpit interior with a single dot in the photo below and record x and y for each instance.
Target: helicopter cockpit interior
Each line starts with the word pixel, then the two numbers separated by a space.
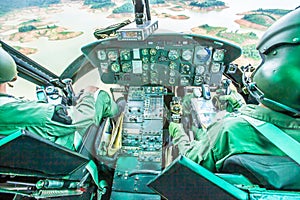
pixel 131 156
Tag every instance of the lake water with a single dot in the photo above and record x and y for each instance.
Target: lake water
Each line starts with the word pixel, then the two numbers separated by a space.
pixel 56 55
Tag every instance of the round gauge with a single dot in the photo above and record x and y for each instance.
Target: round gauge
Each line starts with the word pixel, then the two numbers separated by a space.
pixel 153 67
pixel 153 52
pixel 215 67
pixel 126 67
pixel 145 74
pixel 145 67
pixel 101 55
pixel 172 73
pixel 202 54
pixel 173 54
pixel 153 59
pixel 172 81
pixel 200 69
pixel 145 52
pixel 145 59
pixel 187 54
pixel 185 68
pixel 218 55
pixel 198 80
pixel 112 55
pixel 154 77
pixel 115 67
pixel 145 79
pixel 172 65
pixel 184 81
pixel 125 54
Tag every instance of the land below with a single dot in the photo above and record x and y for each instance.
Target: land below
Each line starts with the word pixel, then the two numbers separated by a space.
pixel 22 26
pixel 27 27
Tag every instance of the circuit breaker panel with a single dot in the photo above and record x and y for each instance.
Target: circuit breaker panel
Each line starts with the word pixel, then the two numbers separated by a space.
pixel 142 140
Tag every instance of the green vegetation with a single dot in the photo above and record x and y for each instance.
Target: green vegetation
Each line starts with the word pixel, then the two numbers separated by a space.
pixel 51 27
pixel 237 37
pixel 212 29
pixel 273 11
pixel 232 36
pixel 10 5
pixel 207 4
pixel 249 51
pixel 64 32
pixel 30 21
pixel 264 17
pixel 243 39
pixel 96 4
pixel 27 28
pixel 125 8
pixel 261 19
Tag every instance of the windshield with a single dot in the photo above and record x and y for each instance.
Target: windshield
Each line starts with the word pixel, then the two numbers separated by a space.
pixel 52 32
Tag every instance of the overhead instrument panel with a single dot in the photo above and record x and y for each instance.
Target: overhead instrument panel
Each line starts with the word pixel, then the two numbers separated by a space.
pixel 162 59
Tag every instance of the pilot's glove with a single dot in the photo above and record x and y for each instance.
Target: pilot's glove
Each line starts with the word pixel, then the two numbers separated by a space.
pixel 105 106
pixel 230 102
pixel 176 129
pixel 186 104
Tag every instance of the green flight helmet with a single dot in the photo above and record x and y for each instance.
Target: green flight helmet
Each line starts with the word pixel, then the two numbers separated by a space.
pixel 8 67
pixel 278 76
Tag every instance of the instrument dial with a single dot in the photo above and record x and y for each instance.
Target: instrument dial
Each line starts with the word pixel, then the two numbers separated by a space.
pixel 152 59
pixel 172 81
pixel 145 60
pixel 145 52
pixel 198 80
pixel 145 67
pixel 173 54
pixel 153 52
pixel 202 53
pixel 172 73
pixel 185 68
pixel 125 54
pixel 218 55
pixel 172 65
pixel 101 54
pixel 126 67
pixel 215 67
pixel 153 67
pixel 187 54
pixel 200 69
pixel 115 67
pixel 112 55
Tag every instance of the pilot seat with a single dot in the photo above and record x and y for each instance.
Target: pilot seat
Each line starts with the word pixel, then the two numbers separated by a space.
pixel 33 167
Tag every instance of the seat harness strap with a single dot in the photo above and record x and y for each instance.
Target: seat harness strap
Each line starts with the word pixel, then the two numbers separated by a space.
pixel 279 138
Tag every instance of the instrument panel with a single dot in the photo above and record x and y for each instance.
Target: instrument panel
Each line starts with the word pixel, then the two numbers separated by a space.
pixel 162 59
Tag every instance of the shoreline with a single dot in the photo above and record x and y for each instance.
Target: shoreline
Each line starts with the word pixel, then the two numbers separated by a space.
pixel 12 21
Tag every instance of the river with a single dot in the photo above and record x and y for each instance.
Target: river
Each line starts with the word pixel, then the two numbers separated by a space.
pixel 56 55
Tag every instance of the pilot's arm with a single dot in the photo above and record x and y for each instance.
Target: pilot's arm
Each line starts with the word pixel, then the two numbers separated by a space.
pixel 93 105
pixel 198 150
pixel 61 123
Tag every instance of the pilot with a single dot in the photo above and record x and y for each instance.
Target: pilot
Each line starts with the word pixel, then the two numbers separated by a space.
pixel 277 81
pixel 56 123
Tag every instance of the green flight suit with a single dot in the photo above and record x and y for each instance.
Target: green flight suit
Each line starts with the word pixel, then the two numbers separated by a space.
pixel 36 117
pixel 233 135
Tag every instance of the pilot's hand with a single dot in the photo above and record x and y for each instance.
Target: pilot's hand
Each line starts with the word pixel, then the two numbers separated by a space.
pixel 175 129
pixel 230 102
